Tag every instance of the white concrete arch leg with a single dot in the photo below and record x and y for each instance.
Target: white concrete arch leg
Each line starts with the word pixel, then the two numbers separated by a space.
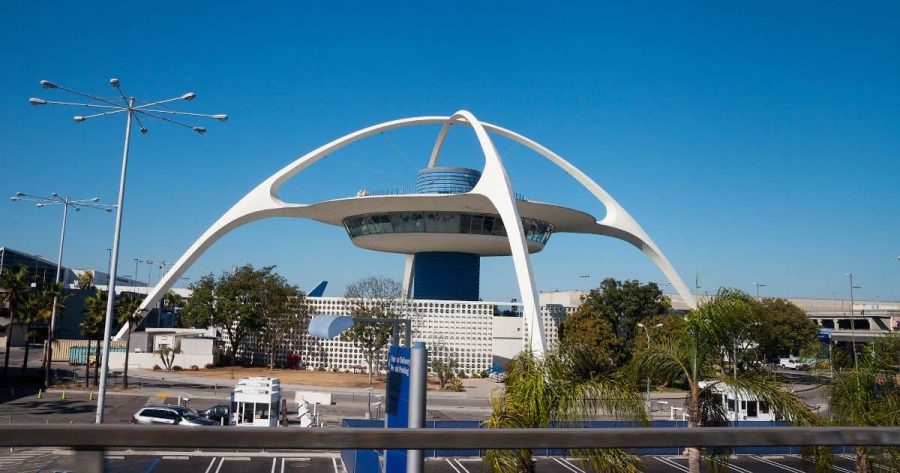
pixel 494 184
pixel 617 223
pixel 409 276
pixel 256 205
pixel 438 143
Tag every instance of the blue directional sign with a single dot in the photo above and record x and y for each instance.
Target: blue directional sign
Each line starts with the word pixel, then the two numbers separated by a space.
pixel 397 408
pixel 824 335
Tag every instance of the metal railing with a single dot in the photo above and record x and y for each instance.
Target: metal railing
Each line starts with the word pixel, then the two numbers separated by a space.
pixel 91 436
pixel 90 441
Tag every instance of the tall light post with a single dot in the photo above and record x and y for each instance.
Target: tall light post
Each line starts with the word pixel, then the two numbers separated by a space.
pixel 758 285
pixel 740 334
pixel 66 202
pixel 136 261
pixel 134 109
pixel 853 322
pixel 647 331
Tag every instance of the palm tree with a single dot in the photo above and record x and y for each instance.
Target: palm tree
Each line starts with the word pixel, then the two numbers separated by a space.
pixel 171 302
pixel 54 293
pixel 16 282
pixel 127 313
pixel 94 314
pixel 35 309
pixel 870 396
pixel 563 388
pixel 694 355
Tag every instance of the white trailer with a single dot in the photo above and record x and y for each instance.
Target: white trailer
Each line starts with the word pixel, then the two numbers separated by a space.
pixel 256 402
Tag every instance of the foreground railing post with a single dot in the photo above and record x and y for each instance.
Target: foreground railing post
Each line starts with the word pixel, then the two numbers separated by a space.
pixel 89 459
pixel 418 369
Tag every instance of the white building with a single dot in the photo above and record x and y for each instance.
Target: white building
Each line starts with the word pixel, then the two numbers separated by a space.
pixel 477 335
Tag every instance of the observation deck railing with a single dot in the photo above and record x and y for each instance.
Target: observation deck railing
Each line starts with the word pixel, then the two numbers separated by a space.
pixel 91 441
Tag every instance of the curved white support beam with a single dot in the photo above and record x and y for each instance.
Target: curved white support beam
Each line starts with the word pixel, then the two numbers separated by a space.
pixel 617 223
pixel 494 184
pixel 438 144
pixel 263 202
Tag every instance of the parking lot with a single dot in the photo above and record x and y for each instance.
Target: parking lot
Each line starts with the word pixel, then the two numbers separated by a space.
pixel 47 460
pixel 656 464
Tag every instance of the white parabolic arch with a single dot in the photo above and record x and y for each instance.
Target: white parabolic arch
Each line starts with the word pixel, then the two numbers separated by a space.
pixel 263 202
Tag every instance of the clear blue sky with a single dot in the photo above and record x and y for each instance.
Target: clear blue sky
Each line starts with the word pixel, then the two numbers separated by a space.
pixel 752 142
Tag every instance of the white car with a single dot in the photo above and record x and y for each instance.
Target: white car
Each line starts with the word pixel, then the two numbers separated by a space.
pixel 169 415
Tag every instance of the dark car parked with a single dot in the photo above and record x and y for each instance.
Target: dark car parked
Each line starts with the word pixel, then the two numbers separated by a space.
pixel 220 414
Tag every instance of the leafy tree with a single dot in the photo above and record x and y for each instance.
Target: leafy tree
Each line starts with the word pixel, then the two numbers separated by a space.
pixel 586 329
pixel 623 304
pixel 200 309
pixel 695 355
pixel 127 313
pixel 564 387
pixel 373 297
pixel 870 396
pixel 16 281
pixel 784 329
pixel 284 312
pixel 231 302
pixel 244 302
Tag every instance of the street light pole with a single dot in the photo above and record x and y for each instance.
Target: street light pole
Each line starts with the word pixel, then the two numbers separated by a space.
pixel 109 107
pixel 853 323
pixel 758 285
pixel 734 366
pixel 647 331
pixel 66 202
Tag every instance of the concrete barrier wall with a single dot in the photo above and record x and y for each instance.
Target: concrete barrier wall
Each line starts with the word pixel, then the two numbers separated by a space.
pixel 149 360
pixel 61 347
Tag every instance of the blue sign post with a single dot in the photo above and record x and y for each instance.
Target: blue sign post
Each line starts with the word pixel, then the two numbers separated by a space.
pixel 397 408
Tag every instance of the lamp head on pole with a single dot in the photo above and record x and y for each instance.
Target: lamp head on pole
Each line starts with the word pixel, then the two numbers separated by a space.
pixel 36 101
pixel 47 84
pixel 200 129
pixel 189 96
pixel 221 117
pixel 114 82
pixel 78 118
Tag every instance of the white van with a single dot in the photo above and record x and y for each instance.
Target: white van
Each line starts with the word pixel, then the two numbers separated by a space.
pixel 791 363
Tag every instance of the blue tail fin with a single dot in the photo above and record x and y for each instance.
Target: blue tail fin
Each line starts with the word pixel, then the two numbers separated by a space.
pixel 319 290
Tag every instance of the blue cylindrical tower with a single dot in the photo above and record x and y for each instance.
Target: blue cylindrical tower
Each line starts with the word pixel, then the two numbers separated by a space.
pixel 447 275
pixel 446 180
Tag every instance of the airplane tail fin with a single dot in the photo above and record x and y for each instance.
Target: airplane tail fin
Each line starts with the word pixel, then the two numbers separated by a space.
pixel 319 290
